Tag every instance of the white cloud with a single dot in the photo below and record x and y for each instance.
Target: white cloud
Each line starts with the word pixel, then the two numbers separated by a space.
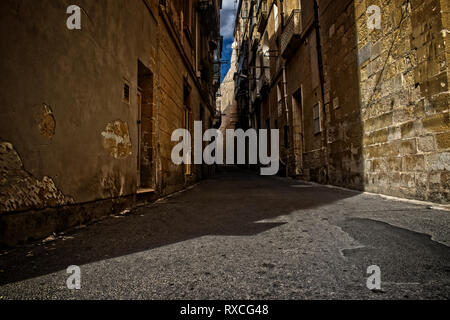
pixel 227 18
pixel 228 4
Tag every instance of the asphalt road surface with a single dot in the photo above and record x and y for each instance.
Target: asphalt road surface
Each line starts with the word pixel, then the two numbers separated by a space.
pixel 244 236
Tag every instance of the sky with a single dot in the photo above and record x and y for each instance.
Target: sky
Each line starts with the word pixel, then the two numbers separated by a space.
pixel 226 30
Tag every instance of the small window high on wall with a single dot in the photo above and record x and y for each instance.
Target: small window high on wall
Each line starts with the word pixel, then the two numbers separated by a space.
pixel 126 92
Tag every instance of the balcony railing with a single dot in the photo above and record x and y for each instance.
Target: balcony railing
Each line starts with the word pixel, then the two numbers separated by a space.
pixel 291 36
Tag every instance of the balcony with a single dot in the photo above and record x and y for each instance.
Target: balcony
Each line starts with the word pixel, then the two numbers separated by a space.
pixel 291 36
pixel 262 14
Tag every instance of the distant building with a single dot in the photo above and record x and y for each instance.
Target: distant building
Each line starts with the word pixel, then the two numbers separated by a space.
pixel 359 108
pixel 226 102
pixel 87 114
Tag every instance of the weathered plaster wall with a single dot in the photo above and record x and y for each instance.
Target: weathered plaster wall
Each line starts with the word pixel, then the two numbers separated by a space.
pixel 61 90
pixel 62 97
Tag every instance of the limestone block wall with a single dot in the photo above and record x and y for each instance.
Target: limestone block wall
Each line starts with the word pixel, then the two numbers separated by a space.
pixel 403 72
pixel 341 94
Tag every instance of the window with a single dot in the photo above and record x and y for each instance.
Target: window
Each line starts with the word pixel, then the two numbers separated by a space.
pixel 126 93
pixel 317 120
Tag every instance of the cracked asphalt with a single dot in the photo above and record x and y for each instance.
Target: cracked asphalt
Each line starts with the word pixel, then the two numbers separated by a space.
pixel 243 236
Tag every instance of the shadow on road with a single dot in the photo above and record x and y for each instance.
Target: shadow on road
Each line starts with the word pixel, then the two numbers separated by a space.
pixel 404 256
pixel 231 204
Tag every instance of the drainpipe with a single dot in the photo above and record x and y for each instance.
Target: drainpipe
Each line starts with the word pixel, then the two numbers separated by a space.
pixel 285 93
pixel 285 86
pixel 319 50
pixel 287 113
pixel 322 79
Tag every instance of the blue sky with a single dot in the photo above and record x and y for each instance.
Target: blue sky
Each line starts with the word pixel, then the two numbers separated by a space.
pixel 226 29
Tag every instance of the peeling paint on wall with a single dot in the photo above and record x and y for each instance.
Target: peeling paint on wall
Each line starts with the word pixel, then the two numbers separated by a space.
pixel 47 123
pixel 112 182
pixel 19 190
pixel 116 140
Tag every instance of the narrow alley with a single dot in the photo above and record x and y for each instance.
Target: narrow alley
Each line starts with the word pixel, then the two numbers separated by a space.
pixel 243 236
pixel 224 150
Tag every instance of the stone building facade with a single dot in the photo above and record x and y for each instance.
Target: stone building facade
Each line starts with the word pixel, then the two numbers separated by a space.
pixel 357 106
pixel 88 114
pixel 226 103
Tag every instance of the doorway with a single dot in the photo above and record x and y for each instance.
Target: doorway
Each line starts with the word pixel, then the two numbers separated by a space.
pixel 187 124
pixel 297 108
pixel 145 166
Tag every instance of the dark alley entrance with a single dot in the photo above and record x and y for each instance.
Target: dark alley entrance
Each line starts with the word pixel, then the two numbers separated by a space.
pixel 145 128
